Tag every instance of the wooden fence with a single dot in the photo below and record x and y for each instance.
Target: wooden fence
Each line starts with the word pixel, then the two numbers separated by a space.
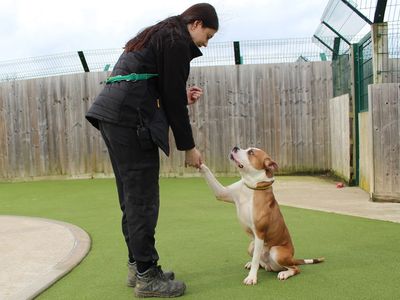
pixel 43 130
pixel 384 110
pixel 282 108
pixel 340 135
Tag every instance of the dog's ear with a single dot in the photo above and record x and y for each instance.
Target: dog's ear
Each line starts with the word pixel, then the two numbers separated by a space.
pixel 270 165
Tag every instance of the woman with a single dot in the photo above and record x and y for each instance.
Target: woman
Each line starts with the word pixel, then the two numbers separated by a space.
pixel 145 95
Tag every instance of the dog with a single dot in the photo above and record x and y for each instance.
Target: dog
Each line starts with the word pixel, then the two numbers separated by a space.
pixel 258 211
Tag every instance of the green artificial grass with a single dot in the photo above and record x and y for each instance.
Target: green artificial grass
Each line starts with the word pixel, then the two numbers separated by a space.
pixel 202 241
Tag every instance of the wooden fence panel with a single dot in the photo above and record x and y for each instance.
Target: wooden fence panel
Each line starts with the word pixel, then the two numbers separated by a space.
pixel 282 108
pixel 384 103
pixel 340 135
pixel 5 92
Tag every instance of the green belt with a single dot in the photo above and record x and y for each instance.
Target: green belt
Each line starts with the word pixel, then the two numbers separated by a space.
pixel 130 77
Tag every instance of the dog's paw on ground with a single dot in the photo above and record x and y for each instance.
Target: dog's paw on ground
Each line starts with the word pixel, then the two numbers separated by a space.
pixel 250 280
pixel 285 274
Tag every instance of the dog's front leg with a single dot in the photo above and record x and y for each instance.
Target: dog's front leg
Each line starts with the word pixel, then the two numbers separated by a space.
pixel 255 262
pixel 221 192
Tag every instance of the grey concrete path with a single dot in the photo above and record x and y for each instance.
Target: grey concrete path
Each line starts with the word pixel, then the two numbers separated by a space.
pixel 319 194
pixel 34 252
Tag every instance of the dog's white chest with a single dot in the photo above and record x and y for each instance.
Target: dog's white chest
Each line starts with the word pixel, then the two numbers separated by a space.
pixel 244 207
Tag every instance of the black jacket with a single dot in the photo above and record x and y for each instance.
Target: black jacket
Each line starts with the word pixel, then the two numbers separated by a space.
pixel 130 103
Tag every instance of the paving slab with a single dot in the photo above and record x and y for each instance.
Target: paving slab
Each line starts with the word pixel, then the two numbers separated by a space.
pixel 35 253
pixel 322 194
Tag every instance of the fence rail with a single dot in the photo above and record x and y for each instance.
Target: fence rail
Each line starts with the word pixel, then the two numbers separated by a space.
pixel 216 54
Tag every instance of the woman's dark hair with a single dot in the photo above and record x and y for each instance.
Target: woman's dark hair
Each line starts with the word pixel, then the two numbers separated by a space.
pixel 199 12
pixel 203 12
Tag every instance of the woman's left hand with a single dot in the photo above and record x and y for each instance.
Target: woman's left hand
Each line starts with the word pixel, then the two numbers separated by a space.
pixel 193 94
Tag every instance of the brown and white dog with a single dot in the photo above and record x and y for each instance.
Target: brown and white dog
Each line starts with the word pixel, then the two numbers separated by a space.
pixel 258 211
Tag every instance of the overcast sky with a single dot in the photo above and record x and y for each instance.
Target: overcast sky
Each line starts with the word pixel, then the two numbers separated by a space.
pixel 43 27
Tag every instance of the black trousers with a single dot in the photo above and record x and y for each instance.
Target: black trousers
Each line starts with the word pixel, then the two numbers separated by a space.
pixel 136 173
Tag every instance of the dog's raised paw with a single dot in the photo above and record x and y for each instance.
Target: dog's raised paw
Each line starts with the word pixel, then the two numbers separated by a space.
pixel 203 168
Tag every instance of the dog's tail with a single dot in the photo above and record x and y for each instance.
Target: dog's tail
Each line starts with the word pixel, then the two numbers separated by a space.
pixel 310 261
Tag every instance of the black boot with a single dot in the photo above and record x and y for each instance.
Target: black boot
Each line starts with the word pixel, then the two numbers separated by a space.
pixel 153 283
pixel 132 271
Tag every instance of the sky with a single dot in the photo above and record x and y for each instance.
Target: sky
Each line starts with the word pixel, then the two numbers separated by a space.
pixel 30 28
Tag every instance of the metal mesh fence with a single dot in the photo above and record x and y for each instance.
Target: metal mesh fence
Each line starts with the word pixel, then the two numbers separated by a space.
pixel 346 26
pixel 280 51
pixel 222 53
pixel 57 64
pixel 339 20
pixel 394 51
pixel 365 71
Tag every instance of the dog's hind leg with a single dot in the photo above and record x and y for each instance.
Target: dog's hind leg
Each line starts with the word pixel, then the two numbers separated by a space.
pixel 291 271
pixel 282 261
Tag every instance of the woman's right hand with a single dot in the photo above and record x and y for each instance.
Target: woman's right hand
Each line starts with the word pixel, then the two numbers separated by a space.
pixel 193 158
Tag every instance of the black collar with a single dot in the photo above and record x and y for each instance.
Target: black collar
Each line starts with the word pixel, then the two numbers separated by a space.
pixel 194 51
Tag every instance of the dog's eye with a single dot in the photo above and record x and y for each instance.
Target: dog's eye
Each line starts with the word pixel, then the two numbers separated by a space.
pixel 250 152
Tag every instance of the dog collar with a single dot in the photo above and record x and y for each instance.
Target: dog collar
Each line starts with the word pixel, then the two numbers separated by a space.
pixel 260 188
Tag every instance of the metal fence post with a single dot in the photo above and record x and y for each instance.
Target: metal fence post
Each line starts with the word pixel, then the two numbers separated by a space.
pixel 380 54
pixel 83 61
pixel 236 49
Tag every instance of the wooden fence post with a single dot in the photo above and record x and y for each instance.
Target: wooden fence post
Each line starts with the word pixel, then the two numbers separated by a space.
pixel 380 54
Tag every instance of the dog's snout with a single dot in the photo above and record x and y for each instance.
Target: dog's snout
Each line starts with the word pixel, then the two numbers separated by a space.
pixel 235 149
